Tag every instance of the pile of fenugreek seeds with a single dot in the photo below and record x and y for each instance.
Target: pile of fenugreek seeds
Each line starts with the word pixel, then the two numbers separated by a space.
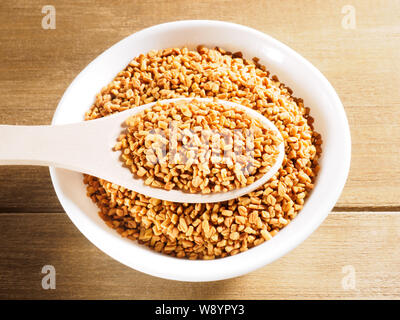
pixel 197 147
pixel 207 231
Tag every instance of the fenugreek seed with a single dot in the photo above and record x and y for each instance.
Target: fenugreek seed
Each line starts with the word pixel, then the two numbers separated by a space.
pixel 182 224
pixel 266 235
pixel 227 213
pixel 205 226
pixel 197 181
pixel 187 244
pixel 258 241
pixel 162 124
pixel 240 219
pixel 249 230
pixel 271 200
pixel 149 180
pixel 194 176
pixel 228 249
pixel 242 210
pixel 234 236
pixel 129 93
pixel 174 218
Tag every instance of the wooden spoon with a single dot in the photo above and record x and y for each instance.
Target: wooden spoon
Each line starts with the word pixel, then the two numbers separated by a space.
pixel 87 147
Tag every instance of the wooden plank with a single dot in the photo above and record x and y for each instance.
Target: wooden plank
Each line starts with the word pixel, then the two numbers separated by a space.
pixel 27 188
pixel 362 64
pixel 365 243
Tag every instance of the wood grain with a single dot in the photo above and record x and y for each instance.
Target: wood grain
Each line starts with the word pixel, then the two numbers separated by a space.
pixel 367 242
pixel 363 65
pixel 27 189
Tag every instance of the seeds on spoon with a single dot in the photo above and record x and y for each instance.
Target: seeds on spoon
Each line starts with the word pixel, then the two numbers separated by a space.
pixel 197 147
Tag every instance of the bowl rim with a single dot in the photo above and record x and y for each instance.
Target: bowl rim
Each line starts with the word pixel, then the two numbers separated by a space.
pixel 212 270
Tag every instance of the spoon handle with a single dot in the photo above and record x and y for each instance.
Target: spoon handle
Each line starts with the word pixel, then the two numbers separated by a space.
pixel 65 146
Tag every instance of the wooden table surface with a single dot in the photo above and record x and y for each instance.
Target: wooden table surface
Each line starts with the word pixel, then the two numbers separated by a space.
pixel 360 239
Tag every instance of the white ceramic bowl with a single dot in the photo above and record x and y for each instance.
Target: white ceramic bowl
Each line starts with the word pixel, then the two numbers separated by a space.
pixel 292 69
